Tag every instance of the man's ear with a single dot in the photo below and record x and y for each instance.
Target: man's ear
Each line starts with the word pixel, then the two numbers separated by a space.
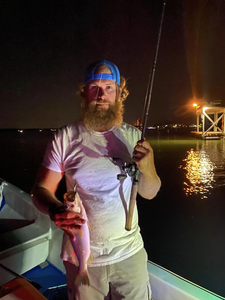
pixel 120 91
pixel 83 92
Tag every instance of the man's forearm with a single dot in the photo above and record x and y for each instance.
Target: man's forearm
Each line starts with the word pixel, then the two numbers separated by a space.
pixel 43 199
pixel 149 186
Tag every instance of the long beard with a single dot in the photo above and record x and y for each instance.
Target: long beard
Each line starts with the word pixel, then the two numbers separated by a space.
pixel 98 118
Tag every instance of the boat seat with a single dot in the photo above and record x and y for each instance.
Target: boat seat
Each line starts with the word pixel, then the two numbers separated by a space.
pixel 25 232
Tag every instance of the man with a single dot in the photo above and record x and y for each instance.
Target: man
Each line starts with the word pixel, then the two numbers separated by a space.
pixel 83 152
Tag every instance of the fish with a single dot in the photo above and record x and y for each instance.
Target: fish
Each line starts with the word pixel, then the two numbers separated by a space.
pixel 81 245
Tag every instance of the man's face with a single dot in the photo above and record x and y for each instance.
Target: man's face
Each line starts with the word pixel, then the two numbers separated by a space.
pixel 102 110
pixel 102 92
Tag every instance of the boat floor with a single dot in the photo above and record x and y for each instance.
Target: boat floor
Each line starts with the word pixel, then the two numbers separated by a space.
pixel 51 281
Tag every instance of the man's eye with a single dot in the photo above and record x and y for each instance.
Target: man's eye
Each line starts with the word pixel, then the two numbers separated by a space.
pixel 93 87
pixel 109 87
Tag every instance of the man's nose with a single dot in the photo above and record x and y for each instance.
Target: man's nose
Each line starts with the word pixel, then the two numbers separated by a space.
pixel 101 93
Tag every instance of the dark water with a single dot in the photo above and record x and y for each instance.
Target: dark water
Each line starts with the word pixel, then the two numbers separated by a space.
pixel 21 155
pixel 183 227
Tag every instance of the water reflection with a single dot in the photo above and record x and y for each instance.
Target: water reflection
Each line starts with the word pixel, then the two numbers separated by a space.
pixel 204 168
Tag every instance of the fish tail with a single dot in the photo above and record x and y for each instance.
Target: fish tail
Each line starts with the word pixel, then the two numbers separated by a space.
pixel 82 279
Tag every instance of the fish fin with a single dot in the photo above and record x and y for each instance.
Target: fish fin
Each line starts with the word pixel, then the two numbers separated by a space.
pixel 82 279
pixel 89 225
pixel 80 233
pixel 90 259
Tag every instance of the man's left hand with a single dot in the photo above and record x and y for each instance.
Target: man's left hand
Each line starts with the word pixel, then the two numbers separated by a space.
pixel 143 157
pixel 149 182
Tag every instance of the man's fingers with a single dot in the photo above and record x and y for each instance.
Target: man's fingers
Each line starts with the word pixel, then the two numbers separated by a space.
pixel 144 144
pixel 70 224
pixel 137 158
pixel 139 153
pixel 67 215
pixel 71 227
pixel 70 221
pixel 142 149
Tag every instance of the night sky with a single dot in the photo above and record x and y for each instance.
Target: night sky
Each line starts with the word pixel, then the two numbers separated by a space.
pixel 47 45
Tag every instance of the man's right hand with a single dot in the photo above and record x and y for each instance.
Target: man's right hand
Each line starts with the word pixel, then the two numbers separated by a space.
pixel 44 199
pixel 68 221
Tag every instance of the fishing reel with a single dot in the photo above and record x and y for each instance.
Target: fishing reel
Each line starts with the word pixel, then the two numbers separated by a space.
pixel 129 169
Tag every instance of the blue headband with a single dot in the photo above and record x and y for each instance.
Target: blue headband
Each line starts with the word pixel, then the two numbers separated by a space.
pixel 90 72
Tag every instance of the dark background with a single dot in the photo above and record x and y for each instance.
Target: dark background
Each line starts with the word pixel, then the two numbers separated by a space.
pixel 47 45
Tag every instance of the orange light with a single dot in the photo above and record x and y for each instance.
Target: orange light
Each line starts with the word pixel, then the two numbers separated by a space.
pixel 195 104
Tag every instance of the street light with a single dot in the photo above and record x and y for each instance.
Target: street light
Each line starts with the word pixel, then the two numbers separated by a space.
pixel 197 115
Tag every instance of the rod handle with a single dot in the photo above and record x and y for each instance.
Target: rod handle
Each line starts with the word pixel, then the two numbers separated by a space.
pixel 130 212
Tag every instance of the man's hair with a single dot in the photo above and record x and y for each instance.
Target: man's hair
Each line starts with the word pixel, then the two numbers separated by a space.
pixel 124 91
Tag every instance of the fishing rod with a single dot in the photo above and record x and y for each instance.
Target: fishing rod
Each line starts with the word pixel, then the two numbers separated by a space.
pixel 151 78
pixel 132 169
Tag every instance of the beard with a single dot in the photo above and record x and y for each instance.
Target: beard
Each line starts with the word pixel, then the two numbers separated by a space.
pixel 98 118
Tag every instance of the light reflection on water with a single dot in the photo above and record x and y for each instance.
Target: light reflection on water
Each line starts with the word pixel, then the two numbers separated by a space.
pixel 204 168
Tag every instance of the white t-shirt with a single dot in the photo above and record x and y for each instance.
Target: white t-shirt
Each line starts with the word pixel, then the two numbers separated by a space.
pixel 85 158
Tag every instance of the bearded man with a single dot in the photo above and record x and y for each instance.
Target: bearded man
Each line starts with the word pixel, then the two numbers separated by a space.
pixel 83 152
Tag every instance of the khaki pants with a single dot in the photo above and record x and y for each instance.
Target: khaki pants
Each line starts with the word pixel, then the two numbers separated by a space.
pixel 127 279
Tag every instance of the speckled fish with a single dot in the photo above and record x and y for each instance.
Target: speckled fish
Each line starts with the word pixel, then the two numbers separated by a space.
pixel 81 245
